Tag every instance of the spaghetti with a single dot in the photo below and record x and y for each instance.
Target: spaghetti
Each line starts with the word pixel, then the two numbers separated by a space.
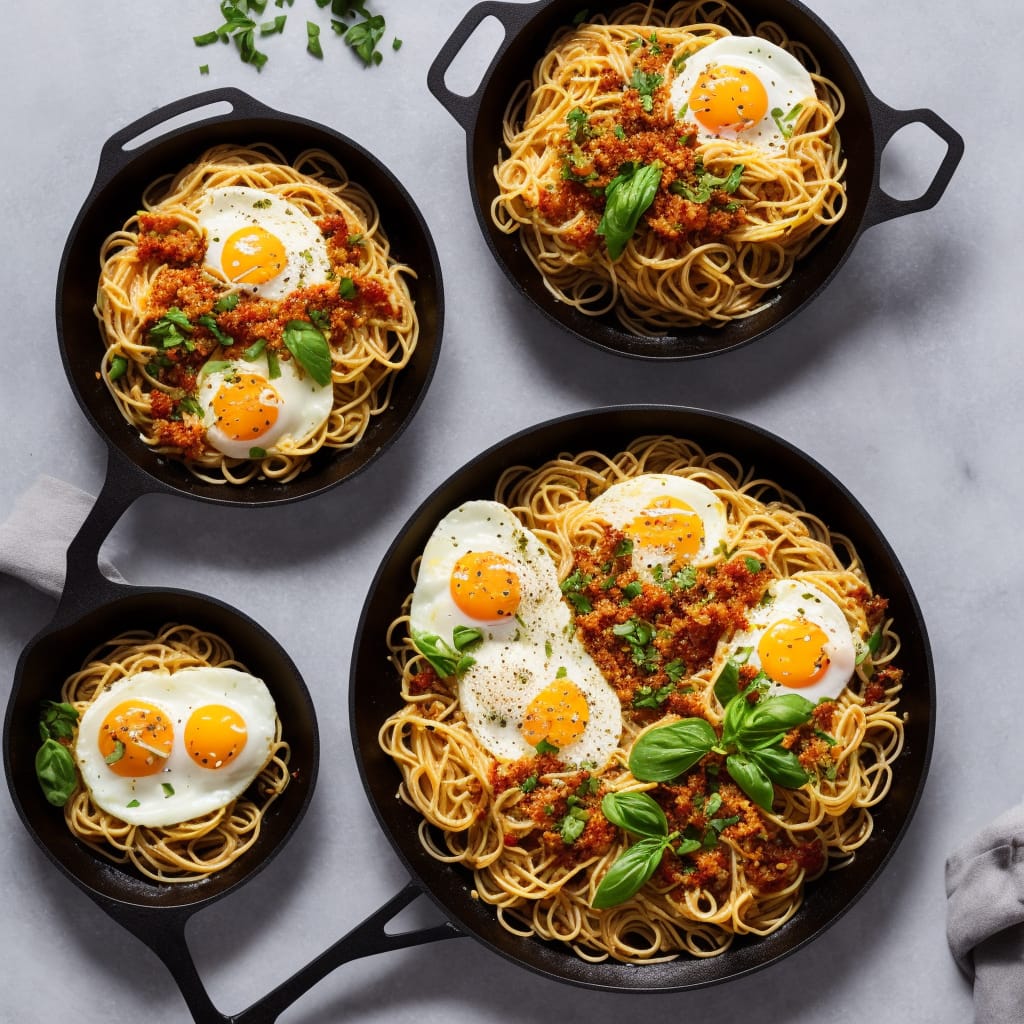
pixel 731 868
pixel 708 248
pixel 164 316
pixel 192 849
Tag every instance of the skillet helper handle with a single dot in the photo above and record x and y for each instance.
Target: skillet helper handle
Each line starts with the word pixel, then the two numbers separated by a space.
pixel 365 939
pixel 512 16
pixel 888 122
pixel 114 156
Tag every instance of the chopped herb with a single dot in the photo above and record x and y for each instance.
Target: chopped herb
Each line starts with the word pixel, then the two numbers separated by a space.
pixel 784 121
pixel 116 754
pixel 645 83
pixel 347 289
pixel 257 453
pixel 620 133
pixel 529 784
pixel 226 303
pixel 752 564
pixel 396 43
pixel 172 329
pixel 204 69
pixel 623 548
pixel 168 789
pixel 212 326
pixel 255 350
pixel 633 590
pixel 273 366
pixel 118 367
pixel 544 747
pixel 132 803
pixel 313 39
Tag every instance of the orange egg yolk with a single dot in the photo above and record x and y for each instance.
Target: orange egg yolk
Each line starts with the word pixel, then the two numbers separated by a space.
pixel 485 586
pixel 668 524
pixel 727 98
pixel 246 407
pixel 136 738
pixel 792 652
pixel 558 714
pixel 214 735
pixel 252 255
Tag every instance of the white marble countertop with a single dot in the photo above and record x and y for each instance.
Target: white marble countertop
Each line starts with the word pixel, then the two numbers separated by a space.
pixel 915 350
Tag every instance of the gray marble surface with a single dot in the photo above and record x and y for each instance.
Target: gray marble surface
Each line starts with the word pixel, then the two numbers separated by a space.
pixel 903 379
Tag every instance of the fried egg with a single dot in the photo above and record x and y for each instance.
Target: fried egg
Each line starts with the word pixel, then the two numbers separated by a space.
pixel 245 409
pixel 519 696
pixel 741 87
pixel 482 568
pixel 671 520
pixel 260 242
pixel 529 679
pixel 158 748
pixel 799 637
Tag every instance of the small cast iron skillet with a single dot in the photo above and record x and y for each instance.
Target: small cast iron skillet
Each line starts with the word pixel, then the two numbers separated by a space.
pixel 866 128
pixel 92 610
pixel 372 699
pixel 157 145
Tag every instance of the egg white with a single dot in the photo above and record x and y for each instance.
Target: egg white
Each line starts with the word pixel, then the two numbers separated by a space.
pixel 223 211
pixel 786 82
pixel 183 790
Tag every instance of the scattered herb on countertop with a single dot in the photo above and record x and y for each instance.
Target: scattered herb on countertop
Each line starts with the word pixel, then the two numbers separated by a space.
pixel 246 21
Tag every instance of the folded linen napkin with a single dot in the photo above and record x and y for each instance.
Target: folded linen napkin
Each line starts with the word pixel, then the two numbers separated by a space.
pixel 985 917
pixel 34 538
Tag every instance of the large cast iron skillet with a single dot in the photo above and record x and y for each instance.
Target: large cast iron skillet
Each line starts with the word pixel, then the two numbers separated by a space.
pixel 374 690
pixel 866 127
pixel 157 145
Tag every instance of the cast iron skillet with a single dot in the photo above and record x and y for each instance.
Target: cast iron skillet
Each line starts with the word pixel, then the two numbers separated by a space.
pixel 372 699
pixel 94 609
pixel 156 145
pixel 866 127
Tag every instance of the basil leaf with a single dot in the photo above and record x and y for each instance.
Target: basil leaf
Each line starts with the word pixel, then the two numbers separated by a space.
pixel 781 766
pixel 727 685
pixel 57 721
pixel 772 715
pixel 629 872
pixel 645 83
pixel 627 196
pixel 310 348
pixel 751 778
pixel 667 751
pixel 736 713
pixel 364 36
pixel 465 637
pixel 635 812
pixel 55 770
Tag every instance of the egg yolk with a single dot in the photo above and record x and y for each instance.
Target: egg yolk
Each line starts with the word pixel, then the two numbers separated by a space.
pixel 727 98
pixel 246 407
pixel 668 524
pixel 214 735
pixel 558 714
pixel 792 652
pixel 252 255
pixel 136 738
pixel 485 586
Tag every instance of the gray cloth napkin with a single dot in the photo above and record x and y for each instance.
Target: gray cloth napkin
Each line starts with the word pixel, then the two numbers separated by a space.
pixel 34 538
pixel 985 917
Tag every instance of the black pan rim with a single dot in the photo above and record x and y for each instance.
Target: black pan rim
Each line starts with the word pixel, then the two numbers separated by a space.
pixel 553 960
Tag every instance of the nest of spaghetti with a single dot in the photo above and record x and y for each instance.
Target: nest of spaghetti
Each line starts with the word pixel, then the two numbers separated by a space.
pixel 671 166
pixel 253 314
pixel 755 686
pixel 164 753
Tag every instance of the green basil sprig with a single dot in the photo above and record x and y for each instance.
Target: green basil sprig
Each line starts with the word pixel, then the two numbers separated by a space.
pixel 706 183
pixel 751 739
pixel 627 197
pixel 309 346
pixel 640 814
pixel 784 122
pixel 449 659
pixel 55 767
pixel 172 329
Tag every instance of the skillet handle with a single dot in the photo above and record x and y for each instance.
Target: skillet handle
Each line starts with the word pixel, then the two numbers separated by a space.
pixel 513 16
pixel 365 939
pixel 888 122
pixel 84 583
pixel 114 155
